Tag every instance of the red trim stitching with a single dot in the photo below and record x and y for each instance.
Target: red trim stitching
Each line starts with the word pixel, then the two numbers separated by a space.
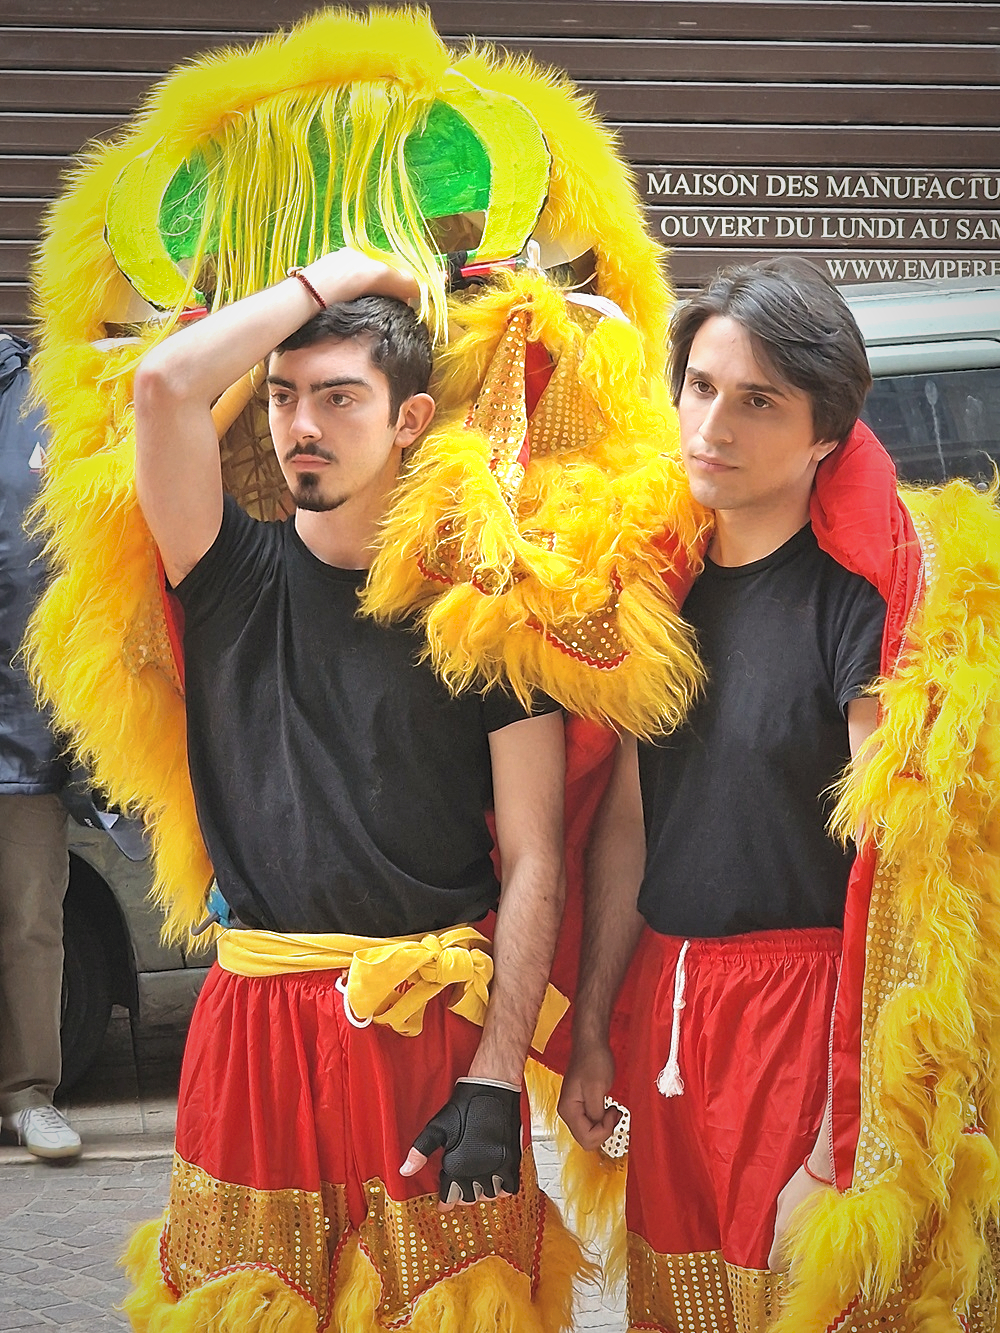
pixel 585 658
pixel 844 1314
pixel 432 575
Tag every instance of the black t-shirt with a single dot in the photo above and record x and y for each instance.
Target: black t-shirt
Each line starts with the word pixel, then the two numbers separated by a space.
pixel 339 786
pixel 736 802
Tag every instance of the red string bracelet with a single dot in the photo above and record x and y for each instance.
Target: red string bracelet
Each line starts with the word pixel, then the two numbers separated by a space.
pixel 820 1180
pixel 296 272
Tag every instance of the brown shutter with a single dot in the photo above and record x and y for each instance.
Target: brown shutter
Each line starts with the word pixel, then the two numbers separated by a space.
pixel 864 135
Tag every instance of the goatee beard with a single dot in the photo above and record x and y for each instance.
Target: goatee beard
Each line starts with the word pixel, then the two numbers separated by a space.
pixel 307 496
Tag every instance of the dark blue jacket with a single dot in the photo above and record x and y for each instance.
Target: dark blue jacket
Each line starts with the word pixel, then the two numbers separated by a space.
pixel 29 754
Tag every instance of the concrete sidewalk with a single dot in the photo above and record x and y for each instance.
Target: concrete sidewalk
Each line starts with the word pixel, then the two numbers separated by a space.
pixel 126 1107
pixel 63 1227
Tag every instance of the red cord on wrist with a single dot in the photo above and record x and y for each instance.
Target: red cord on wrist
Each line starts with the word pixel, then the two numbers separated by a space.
pixel 296 272
pixel 820 1180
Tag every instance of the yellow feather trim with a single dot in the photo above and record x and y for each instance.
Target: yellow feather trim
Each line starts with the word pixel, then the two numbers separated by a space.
pixel 592 1183
pixel 249 1301
pixel 929 797
pixel 487 1297
pixel 598 585
pixel 98 635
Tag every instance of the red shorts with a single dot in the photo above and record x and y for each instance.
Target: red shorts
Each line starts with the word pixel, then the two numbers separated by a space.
pixel 706 1166
pixel 293 1121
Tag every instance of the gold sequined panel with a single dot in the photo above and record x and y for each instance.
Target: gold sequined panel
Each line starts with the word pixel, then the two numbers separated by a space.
pixel 887 968
pixel 697 1293
pixel 595 640
pixel 250 471
pixel 443 562
pixel 215 1226
pixel 566 417
pixel 148 644
pixel 894 1316
pixel 985 1315
pixel 499 412
pixel 413 1246
pixel 701 1293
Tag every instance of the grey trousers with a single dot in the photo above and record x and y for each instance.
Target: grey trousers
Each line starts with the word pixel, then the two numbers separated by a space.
pixel 34 874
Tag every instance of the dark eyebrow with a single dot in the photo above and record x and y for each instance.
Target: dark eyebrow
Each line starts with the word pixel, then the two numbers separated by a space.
pixel 344 381
pixel 744 388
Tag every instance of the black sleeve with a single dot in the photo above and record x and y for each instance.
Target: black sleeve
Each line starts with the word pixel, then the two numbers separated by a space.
pixel 229 575
pixel 501 708
pixel 858 652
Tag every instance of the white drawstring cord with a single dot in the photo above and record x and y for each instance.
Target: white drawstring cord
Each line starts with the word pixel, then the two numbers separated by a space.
pixel 351 1016
pixel 669 1081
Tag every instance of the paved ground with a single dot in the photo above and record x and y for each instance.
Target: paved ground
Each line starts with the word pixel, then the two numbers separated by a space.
pixel 62 1228
pixel 61 1232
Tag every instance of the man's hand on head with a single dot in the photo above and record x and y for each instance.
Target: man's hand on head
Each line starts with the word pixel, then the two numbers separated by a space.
pixel 344 275
pixel 479 1128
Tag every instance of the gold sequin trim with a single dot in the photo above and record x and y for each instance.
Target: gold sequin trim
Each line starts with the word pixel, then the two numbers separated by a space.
pixel 445 563
pixel 697 1293
pixel 413 1246
pixel 215 1226
pixel 596 640
pixel 147 643
pixel 701 1293
pixel 888 968
pixel 566 417
pixel 895 1317
pixel 499 412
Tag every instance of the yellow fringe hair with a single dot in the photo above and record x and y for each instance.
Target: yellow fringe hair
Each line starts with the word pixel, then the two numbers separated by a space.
pixel 592 1183
pixel 606 504
pixel 96 647
pixel 928 793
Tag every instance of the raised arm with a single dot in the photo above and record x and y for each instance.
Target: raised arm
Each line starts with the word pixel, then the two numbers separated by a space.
pixel 611 929
pixel 178 473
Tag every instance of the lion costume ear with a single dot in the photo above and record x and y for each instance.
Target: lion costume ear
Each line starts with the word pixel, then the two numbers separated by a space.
pixel 547 458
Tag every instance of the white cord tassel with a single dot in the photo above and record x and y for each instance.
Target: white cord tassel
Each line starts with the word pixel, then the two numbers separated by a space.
pixel 669 1081
pixel 349 1013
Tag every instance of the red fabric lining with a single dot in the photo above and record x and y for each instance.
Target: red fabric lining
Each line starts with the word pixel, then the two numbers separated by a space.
pixel 173 614
pixel 861 522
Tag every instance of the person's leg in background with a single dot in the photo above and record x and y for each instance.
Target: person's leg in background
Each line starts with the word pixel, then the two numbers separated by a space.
pixel 34 874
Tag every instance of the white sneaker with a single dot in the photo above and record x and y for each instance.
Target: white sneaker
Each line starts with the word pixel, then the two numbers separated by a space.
pixel 45 1132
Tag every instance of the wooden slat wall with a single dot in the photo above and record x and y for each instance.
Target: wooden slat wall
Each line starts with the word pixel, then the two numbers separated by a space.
pixel 867 135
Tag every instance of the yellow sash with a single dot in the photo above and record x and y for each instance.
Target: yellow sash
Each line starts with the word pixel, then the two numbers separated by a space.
pixel 376 969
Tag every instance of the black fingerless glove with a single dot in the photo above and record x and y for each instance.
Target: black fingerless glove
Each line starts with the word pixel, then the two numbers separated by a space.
pixel 479 1128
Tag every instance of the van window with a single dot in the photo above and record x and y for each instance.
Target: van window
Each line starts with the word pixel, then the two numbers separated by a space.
pixel 938 426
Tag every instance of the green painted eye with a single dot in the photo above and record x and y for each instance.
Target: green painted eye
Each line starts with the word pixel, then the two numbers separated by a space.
pixel 446 162
pixel 472 153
